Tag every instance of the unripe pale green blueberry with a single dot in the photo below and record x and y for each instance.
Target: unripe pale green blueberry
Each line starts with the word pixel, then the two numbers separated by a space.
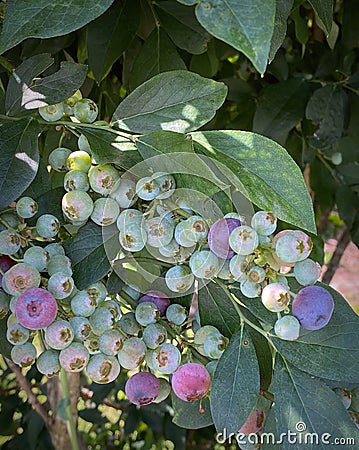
pixel 204 264
pixel 133 238
pixel 54 249
pixel 60 285
pixel 293 246
pixel 307 272
pixel 81 327
pixel 166 182
pixel 79 160
pixel 159 231
pixel 16 334
pixel 24 355
pixel 59 263
pixel 101 320
pixel 132 353
pixel 103 368
pixel 166 358
pixel 77 205
pixel 154 335
pixel 52 113
pixel 214 345
pixel 26 207
pixel 103 178
pixel 48 363
pixel 85 110
pixel 129 324
pixel 74 358
pixel 165 390
pixel 19 278
pixel 275 297
pixel 124 192
pixel 110 342
pixel 239 267
pixel 287 327
pixel 179 278
pixel 58 159
pixel 76 179
pixel 176 314
pixel 243 240
pixel 147 188
pixel 91 343
pixel 47 226
pixel 264 223
pixel 9 242
pixel 36 257
pixel 97 292
pixel 250 289
pixel 146 313
pixel 256 274
pixel 105 211
pixel 129 217
pixel 113 307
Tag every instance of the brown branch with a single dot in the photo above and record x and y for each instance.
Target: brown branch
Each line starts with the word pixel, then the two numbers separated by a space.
pixel 26 386
pixel 337 256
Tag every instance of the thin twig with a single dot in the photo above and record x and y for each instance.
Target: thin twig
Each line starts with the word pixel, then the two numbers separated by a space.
pixel 32 398
pixel 337 256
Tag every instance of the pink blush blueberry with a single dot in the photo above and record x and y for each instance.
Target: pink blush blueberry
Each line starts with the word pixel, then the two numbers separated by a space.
pixel 36 308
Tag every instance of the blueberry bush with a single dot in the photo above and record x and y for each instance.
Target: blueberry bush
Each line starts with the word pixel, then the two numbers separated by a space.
pixel 169 173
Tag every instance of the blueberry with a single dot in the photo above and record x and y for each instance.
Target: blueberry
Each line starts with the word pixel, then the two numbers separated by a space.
pixel 59 334
pixel 48 363
pixel 9 242
pixel 243 240
pixel 52 113
pixel 200 337
pixel 103 368
pixel 76 179
pixel 133 238
pixel 256 274
pixel 154 335
pixel 142 388
pixel 264 223
pixel 159 298
pixel 129 324
pixel 166 182
pixel 204 264
pixel 218 237
pixel 287 327
pixel 101 320
pixel 166 358
pixel 105 211
pixel 26 207
pixel 85 110
pixel 110 342
pixel 147 188
pixel 19 278
pixel 77 206
pixel 16 334
pixel 250 289
pixel 24 355
pixel 165 390
pixel 176 314
pixel 97 291
pixel 37 257
pixel 54 249
pixel 313 306
pixel 275 297
pixel 59 263
pixel 74 358
pixel 5 263
pixel 103 178
pixel 60 285
pixel 179 279
pixel 132 353
pixel 146 313
pixel 47 226
pixel 81 327
pixel 196 228
pixel 159 231
pixel 129 217
pixel 307 272
pixel 79 160
pixel 191 382
pixel 124 192
pixel 214 345
pixel 58 159
pixel 36 308
pixel 182 235
pixel 293 246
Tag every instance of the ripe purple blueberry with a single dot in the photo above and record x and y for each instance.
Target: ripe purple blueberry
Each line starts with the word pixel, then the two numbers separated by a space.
pixel 218 237
pixel 191 382
pixel 313 307
pixel 158 298
pixel 36 308
pixel 142 388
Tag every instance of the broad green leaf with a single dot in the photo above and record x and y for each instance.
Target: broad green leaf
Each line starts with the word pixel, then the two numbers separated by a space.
pixel 19 158
pixel 182 27
pixel 188 2
pixel 188 415
pixel 110 35
pixel 207 63
pixel 283 8
pixel 255 306
pixel 324 10
pixel 49 202
pixel 46 18
pixel 173 153
pixel 26 93
pixel 157 55
pixel 331 352
pixel 5 344
pixel 281 107
pixel 178 100
pixel 348 204
pixel 86 250
pixel 109 147
pixel 235 385
pixel 327 108
pixel 217 309
pixel 304 403
pixel 41 183
pixel 246 26
pixel 350 19
pixel 271 179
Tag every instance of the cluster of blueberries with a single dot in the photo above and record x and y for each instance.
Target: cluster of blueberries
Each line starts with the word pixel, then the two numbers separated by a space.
pixel 53 324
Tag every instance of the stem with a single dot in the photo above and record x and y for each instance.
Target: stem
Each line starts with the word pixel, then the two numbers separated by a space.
pixel 70 423
pixel 175 207
pixel 335 260
pixel 6 64
pixel 330 169
pixel 155 18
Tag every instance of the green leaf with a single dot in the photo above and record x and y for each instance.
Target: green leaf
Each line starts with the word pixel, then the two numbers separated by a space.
pixel 182 27
pixel 348 204
pixel 235 385
pixel 19 158
pixel 157 55
pixel 205 64
pixel 46 18
pixel 178 100
pixel 109 147
pixel 173 153
pixel 327 108
pixel 25 93
pixel 281 107
pixel 331 352
pixel 41 183
pixel 255 306
pixel 187 414
pixel 86 250
pixel 271 179
pixel 5 344
pixel 248 27
pixel 216 308
pixel 49 202
pixel 324 10
pixel 304 402
pixel 110 35
pixel 283 8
